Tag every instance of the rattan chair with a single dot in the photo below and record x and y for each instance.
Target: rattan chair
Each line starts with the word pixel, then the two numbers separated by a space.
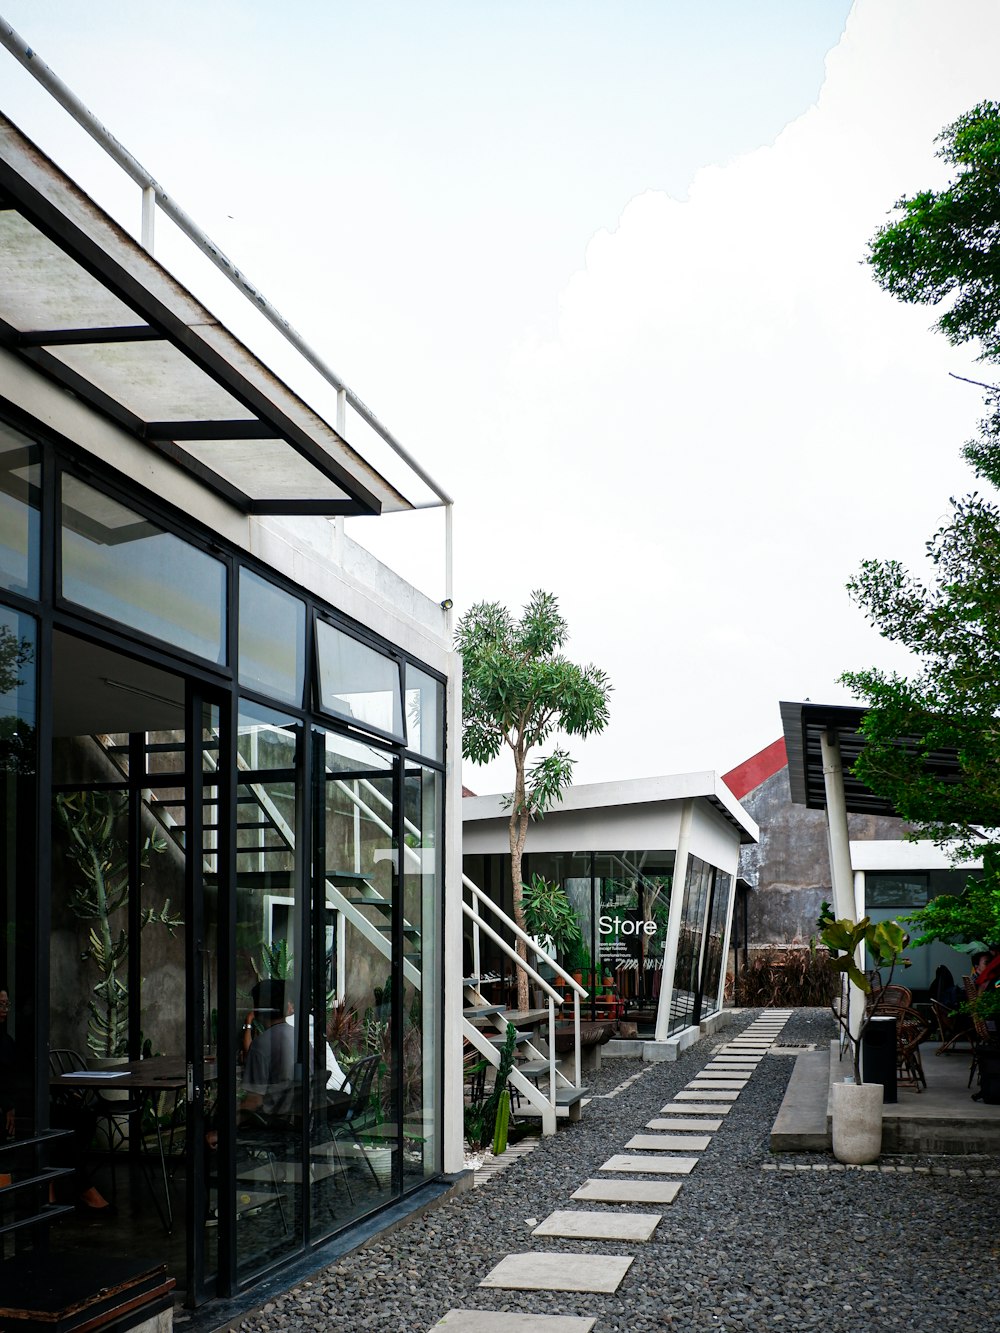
pixel 911 1029
pixel 889 999
pixel 952 1027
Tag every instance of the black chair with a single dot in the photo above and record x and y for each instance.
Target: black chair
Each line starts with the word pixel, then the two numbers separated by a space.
pixel 82 1109
pixel 349 1112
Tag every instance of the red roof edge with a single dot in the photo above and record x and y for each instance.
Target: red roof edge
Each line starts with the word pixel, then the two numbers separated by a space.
pixel 757 769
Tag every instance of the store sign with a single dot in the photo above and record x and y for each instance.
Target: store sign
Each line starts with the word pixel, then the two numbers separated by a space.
pixel 612 926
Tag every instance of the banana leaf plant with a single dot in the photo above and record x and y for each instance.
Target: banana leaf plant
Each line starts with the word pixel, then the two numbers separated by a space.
pixel 885 942
pixel 98 850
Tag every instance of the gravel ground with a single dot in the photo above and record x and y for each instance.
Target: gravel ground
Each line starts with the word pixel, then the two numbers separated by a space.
pixel 742 1247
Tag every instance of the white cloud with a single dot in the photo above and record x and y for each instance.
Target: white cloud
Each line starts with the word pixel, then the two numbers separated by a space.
pixel 731 415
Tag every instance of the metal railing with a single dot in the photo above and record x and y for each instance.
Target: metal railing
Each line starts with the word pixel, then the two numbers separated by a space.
pixel 154 196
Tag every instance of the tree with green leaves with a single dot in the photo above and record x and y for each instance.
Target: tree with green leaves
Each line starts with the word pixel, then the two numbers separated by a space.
pixel 519 690
pixel 944 246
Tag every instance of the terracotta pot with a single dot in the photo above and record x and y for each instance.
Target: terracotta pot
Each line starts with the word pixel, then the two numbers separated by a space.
pixel 857 1122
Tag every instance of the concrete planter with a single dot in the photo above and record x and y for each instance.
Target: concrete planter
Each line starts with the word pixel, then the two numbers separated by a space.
pixel 857 1122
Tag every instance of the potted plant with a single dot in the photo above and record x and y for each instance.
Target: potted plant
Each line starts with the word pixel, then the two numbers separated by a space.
pixel 549 916
pixel 97 847
pixel 857 1106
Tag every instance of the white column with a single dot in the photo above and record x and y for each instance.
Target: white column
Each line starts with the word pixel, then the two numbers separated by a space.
pixel 454 1128
pixel 674 921
pixel 841 873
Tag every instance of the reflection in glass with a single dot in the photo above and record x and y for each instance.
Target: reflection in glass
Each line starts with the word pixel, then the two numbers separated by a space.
pixel 271 1103
pixel 421 1018
pixel 20 480
pixel 714 940
pixel 18 872
pixel 357 682
pixel 272 639
pixel 424 713
pixel 687 969
pixel 355 1128
pixel 126 568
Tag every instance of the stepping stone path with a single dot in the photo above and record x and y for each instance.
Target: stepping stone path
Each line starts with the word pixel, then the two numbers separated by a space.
pixel 699 1108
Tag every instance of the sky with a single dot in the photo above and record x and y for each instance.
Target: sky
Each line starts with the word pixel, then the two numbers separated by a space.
pixel 600 268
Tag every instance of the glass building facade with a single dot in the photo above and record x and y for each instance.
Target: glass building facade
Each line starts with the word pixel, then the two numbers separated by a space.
pixel 222 861
pixel 640 927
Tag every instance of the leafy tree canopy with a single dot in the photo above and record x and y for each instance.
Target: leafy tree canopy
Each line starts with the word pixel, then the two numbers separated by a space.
pixel 946 245
pixel 518 691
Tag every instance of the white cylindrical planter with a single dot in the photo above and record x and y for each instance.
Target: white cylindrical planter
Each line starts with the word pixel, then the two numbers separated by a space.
pixel 857 1122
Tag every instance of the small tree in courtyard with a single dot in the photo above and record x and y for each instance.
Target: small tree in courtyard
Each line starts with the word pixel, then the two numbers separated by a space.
pixel 518 690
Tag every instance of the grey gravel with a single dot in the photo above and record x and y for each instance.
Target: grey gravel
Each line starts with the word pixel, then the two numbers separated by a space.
pixel 743 1247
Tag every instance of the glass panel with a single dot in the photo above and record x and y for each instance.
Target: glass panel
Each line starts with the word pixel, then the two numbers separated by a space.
pixel 421 1018
pixel 272 639
pixel 698 882
pixel 270 1095
pixel 711 981
pixel 355 1130
pixel 206 1215
pixel 634 892
pixel 20 480
pixel 18 878
pixel 128 569
pixel 358 683
pixel 424 713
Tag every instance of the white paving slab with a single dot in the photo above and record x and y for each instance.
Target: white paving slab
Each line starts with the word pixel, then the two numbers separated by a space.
pixel 488 1321
pixel 730 1083
pixel 706 1096
pixel 628 1191
pixel 535 1271
pixel 598 1225
pixel 694 1108
pixel 657 1166
pixel 669 1142
pixel 682 1122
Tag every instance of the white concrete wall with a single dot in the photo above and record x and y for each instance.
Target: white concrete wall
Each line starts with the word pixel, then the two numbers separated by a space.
pixel 713 838
pixel 628 828
pixel 301 548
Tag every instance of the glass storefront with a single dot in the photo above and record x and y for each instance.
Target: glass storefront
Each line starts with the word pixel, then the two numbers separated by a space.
pixel 236 878
pixel 622 901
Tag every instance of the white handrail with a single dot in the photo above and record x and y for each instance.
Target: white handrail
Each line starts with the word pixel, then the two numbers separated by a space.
pixel 528 939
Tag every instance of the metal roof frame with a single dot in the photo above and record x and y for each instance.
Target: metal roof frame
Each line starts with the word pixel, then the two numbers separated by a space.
pixel 51 204
pixel 805 723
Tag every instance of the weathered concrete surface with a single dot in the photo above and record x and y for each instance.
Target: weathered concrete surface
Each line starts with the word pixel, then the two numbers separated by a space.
pixel 801 1123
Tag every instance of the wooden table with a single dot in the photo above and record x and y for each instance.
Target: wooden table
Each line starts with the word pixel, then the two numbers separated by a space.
pixel 144 1080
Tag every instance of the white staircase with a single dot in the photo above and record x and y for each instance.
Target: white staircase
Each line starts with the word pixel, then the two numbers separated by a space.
pixel 546 1090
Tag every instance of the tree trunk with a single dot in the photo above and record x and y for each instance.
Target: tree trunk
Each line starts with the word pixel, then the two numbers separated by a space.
pixel 518 831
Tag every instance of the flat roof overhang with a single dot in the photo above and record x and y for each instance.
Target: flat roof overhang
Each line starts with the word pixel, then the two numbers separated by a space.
pixel 83 302
pixel 803 725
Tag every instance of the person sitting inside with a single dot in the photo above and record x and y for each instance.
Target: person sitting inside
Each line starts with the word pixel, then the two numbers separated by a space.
pixel 269 1059
pixel 989 976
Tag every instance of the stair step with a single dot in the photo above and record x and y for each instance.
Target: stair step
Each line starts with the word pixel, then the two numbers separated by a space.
pixel 497 1040
pixel 566 1100
pixel 533 1068
pixel 487 1011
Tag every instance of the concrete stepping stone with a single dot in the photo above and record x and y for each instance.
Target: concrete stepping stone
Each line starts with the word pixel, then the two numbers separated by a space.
pixel 729 1083
pixel 705 1095
pixel 628 1191
pixel 694 1108
pixel 682 1122
pixel 669 1142
pixel 580 1225
pixel 657 1166
pixel 488 1321
pixel 534 1271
